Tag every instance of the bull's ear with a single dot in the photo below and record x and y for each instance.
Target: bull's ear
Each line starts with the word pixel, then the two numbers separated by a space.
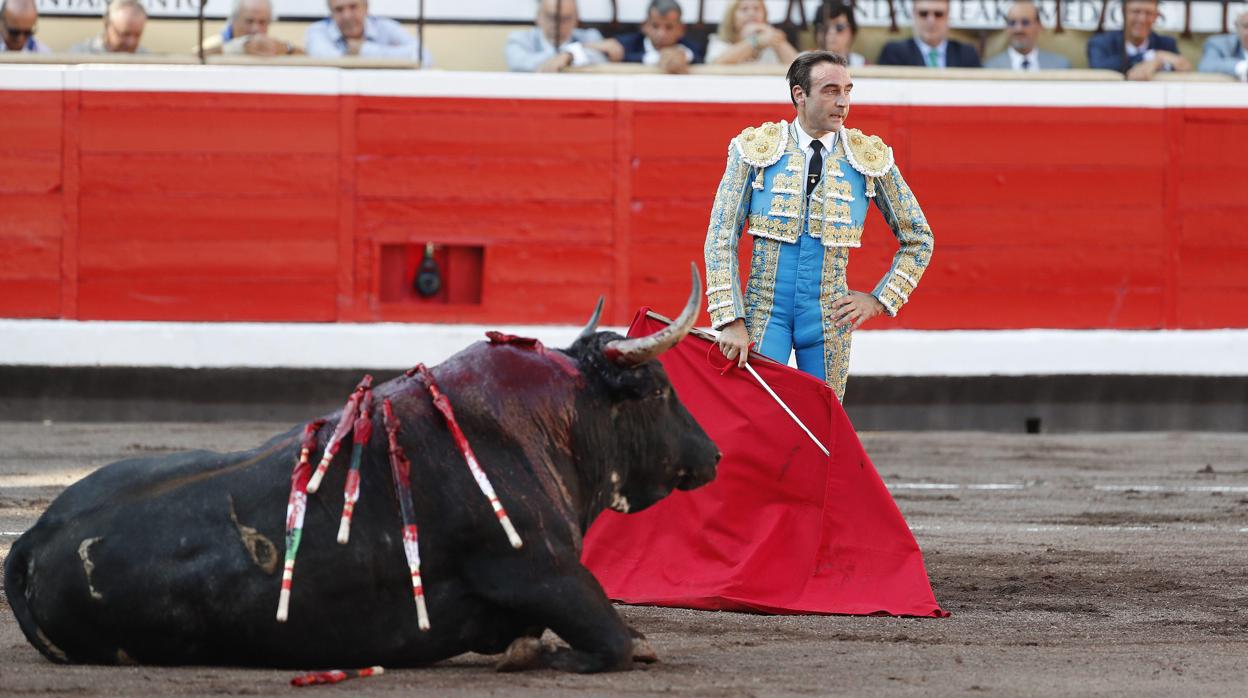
pixel 628 353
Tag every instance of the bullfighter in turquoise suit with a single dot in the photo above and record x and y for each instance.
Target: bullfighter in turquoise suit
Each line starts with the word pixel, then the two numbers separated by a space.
pixel 804 223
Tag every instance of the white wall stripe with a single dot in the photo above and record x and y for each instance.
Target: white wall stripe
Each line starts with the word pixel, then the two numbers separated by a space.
pixel 32 77
pixel 395 345
pixel 293 80
pixel 434 83
pixel 770 90
pixel 1050 352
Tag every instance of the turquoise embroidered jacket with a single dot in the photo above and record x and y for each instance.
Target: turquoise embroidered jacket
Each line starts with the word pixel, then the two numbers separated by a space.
pixel 764 186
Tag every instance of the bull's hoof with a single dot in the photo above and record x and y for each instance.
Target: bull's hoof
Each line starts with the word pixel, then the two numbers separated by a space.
pixel 523 654
pixel 643 652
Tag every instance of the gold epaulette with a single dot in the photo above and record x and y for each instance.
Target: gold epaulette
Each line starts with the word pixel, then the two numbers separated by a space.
pixel 762 146
pixel 868 154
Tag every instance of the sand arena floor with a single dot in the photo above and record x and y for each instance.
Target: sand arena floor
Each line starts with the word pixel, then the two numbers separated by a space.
pixel 1109 564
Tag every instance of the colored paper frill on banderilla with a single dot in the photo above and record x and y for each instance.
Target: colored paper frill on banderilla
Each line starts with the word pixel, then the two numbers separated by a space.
pixel 782 528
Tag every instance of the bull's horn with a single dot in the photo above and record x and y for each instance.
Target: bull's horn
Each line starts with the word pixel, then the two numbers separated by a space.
pixel 592 326
pixel 636 351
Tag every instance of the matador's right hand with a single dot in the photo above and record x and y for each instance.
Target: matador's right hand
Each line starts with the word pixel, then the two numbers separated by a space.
pixel 734 342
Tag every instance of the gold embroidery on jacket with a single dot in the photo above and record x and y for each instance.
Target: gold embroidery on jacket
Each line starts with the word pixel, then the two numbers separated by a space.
pixel 841 190
pixel 785 206
pixel 783 229
pixel 867 154
pixel 763 145
pixel 836 340
pixel 760 294
pixel 787 183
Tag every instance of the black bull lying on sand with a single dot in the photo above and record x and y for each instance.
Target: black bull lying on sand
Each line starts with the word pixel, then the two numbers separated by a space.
pixel 177 559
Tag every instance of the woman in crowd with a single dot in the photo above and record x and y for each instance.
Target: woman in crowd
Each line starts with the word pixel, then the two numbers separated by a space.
pixel 745 37
pixel 835 29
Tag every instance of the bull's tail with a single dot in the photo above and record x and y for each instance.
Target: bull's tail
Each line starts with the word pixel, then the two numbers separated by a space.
pixel 18 577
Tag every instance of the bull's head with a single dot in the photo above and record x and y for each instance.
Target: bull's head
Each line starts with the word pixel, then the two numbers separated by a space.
pixel 636 441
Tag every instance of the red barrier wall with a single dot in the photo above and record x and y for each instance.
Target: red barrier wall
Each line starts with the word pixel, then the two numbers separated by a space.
pixel 209 206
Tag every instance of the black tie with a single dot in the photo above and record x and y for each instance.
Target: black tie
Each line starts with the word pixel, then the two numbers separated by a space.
pixel 1026 64
pixel 816 166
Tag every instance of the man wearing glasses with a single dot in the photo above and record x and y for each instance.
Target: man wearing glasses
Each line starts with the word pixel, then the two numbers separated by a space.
pixel 931 46
pixel 1022 24
pixel 835 29
pixel 1137 51
pixel 17 20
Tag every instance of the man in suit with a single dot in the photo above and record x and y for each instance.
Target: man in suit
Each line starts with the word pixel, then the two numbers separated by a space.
pixel 930 45
pixel 1228 53
pixel 660 42
pixel 1136 51
pixel 1023 24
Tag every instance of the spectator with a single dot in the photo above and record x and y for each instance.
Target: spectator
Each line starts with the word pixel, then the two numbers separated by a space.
pixel 744 36
pixel 930 46
pixel 18 19
pixel 123 29
pixel 247 32
pixel 533 50
pixel 1136 50
pixel 351 31
pixel 835 29
pixel 1228 53
pixel 1022 22
pixel 660 42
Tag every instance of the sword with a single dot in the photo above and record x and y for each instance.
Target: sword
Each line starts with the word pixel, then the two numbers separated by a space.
pixel 712 338
pixel 785 407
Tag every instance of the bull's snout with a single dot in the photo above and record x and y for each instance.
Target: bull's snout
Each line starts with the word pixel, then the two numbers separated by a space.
pixel 694 478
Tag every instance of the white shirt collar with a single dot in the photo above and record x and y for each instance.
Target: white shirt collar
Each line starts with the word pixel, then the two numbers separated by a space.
pixel 804 139
pixel 1016 59
pixel 651 56
pixel 1133 49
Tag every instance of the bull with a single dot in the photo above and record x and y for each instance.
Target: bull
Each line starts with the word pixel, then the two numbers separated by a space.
pixel 171 560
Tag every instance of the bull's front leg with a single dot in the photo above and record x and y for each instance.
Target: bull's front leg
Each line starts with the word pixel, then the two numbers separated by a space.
pixel 642 651
pixel 527 652
pixel 568 600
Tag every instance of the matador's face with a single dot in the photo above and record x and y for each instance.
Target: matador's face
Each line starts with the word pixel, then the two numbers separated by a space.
pixel 826 107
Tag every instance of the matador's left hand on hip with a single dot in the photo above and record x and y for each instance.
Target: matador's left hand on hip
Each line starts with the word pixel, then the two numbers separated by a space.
pixel 855 308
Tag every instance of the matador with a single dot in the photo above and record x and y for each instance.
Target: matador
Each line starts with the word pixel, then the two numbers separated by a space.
pixel 802 191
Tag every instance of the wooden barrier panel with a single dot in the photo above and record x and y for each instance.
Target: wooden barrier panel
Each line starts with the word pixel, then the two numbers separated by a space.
pixel 132 193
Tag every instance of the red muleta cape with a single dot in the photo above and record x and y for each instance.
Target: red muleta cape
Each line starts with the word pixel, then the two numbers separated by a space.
pixel 782 528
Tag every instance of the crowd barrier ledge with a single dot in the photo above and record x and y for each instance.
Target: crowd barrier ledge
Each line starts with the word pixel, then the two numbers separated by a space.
pixel 355 63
